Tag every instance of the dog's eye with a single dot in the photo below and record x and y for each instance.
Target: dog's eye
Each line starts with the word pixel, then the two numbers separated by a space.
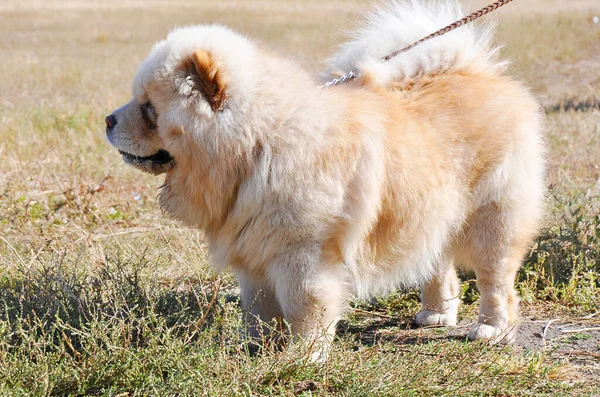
pixel 149 114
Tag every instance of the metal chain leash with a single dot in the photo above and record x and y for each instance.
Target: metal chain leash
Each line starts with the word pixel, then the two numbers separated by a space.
pixel 469 18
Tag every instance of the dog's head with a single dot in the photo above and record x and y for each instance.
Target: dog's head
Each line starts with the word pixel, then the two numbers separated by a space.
pixel 182 93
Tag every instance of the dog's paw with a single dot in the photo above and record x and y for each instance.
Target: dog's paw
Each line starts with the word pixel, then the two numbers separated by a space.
pixel 483 331
pixel 431 318
pixel 492 333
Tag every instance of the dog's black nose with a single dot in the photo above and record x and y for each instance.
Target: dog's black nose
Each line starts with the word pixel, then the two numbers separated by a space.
pixel 110 121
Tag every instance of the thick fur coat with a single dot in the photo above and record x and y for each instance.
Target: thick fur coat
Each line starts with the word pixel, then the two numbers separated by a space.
pixel 312 196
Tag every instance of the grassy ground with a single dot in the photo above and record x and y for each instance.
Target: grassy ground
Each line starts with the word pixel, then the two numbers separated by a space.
pixel 101 295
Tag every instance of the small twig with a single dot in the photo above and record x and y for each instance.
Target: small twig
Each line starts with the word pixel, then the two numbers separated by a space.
pixel 577 353
pixel 68 342
pixel 216 287
pixel 76 241
pixel 591 315
pixel 92 192
pixel 43 247
pixel 168 242
pixel 582 319
pixel 103 236
pixel 568 331
pixel 62 189
pixel 546 329
pixel 15 251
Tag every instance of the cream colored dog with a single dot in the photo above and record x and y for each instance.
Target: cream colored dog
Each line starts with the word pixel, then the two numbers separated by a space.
pixel 315 195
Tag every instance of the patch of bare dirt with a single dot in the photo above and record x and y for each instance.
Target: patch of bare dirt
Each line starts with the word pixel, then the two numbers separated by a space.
pixel 574 342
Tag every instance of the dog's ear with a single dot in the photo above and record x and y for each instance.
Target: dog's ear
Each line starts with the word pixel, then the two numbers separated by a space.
pixel 208 77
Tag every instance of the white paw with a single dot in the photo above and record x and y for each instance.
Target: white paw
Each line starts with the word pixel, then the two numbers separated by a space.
pixel 484 331
pixel 493 333
pixel 430 318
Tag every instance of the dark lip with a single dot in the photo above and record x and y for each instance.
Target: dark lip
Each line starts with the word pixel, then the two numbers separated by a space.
pixel 160 157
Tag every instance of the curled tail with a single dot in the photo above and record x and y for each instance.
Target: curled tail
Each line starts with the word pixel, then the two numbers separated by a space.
pixel 400 23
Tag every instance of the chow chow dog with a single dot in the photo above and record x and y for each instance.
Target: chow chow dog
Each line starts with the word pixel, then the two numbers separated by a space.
pixel 313 195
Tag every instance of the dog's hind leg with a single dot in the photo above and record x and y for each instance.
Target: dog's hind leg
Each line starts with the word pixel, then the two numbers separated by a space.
pixel 493 245
pixel 499 304
pixel 439 298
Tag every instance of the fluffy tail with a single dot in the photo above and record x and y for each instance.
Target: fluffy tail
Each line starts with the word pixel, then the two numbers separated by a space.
pixel 400 23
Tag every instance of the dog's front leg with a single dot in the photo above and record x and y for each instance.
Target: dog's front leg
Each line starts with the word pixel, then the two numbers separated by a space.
pixel 311 295
pixel 260 310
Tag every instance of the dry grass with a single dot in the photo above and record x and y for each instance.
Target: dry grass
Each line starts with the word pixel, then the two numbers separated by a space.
pixel 88 264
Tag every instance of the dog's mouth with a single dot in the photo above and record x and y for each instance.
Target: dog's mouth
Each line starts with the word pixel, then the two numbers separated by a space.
pixel 158 163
